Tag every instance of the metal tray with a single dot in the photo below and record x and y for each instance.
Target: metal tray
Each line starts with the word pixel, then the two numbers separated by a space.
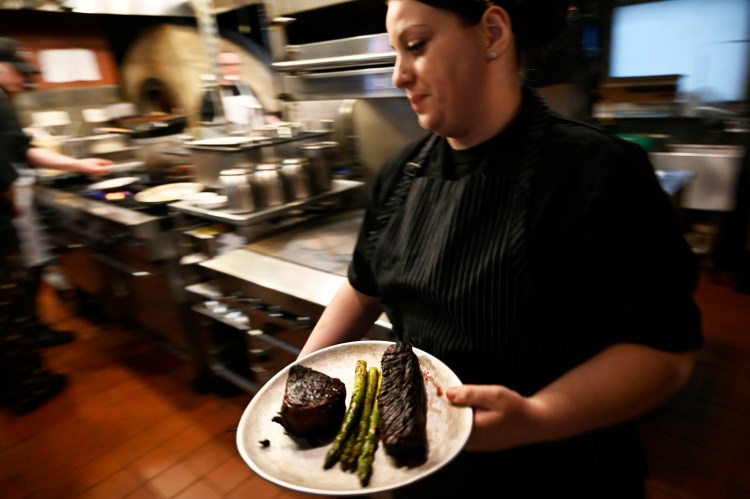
pixel 338 188
pixel 244 143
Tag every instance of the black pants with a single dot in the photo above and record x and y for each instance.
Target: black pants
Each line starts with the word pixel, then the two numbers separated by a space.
pixel 21 364
pixel 35 284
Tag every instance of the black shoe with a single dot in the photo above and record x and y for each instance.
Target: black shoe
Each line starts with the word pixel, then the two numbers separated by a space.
pixel 40 392
pixel 50 338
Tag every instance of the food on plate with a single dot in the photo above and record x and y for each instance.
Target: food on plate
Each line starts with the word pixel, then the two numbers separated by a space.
pixel 297 463
pixel 314 403
pixel 357 440
pixel 370 443
pixel 353 447
pixel 402 402
pixel 351 418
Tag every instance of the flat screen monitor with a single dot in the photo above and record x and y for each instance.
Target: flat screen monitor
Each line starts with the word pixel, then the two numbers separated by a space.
pixel 707 42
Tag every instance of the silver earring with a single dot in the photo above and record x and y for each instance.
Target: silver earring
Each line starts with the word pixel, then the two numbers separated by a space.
pixel 492 55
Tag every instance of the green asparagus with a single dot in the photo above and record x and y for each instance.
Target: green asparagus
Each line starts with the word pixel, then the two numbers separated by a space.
pixel 349 424
pixel 346 454
pixel 354 446
pixel 370 444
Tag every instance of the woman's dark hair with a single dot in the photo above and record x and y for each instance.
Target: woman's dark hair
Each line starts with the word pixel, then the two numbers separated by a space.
pixel 536 23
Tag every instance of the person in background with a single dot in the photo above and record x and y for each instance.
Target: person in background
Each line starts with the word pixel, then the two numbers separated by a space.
pixel 536 256
pixel 26 382
pixel 16 75
pixel 237 96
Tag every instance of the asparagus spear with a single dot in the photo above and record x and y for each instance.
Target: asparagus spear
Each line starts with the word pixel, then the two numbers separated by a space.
pixel 370 444
pixel 354 446
pixel 350 417
pixel 346 454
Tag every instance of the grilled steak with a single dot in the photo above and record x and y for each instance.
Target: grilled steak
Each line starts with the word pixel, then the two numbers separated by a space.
pixel 403 404
pixel 313 405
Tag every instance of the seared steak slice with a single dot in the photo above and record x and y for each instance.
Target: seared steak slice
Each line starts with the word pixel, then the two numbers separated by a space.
pixel 403 404
pixel 314 403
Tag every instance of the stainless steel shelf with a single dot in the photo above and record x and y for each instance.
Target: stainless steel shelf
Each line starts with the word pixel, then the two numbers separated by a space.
pixel 349 84
pixel 339 187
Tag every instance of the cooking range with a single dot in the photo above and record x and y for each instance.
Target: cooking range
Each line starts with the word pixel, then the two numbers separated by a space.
pixel 121 255
pixel 160 265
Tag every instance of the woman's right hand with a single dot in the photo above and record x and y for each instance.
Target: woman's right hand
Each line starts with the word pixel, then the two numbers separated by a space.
pixel 503 418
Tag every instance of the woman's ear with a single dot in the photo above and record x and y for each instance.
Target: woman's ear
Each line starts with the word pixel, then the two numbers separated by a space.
pixel 497 30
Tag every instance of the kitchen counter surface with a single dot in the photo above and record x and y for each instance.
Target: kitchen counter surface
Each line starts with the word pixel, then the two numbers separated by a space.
pixel 307 264
pixel 313 286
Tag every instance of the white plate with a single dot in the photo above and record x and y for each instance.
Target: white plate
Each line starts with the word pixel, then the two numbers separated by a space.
pixel 168 193
pixel 286 463
pixel 113 183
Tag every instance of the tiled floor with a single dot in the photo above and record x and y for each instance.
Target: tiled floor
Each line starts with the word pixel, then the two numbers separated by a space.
pixel 698 443
pixel 129 425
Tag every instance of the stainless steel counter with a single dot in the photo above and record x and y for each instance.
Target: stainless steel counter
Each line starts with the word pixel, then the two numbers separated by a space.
pixel 325 244
pixel 266 297
pixel 714 186
pixel 298 282
pixel 300 269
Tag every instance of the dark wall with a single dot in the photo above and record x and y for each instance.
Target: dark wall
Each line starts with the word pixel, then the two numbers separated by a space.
pixel 363 17
pixel 40 30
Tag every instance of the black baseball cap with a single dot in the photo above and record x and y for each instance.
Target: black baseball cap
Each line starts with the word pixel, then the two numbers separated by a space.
pixel 10 52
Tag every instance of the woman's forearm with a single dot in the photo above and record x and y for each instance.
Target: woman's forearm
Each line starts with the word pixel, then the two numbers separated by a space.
pixel 621 383
pixel 348 317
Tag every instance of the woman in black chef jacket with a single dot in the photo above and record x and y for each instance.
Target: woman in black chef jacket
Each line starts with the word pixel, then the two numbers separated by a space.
pixel 536 256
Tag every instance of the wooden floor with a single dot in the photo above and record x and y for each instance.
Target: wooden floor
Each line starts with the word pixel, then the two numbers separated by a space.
pixel 129 424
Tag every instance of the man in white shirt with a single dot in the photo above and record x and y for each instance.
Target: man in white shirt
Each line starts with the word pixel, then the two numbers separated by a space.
pixel 241 106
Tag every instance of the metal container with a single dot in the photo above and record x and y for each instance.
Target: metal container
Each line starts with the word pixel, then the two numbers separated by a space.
pixel 210 161
pixel 322 156
pixel 236 185
pixel 268 185
pixel 297 179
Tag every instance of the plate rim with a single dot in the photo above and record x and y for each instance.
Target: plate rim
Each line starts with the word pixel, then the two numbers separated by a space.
pixel 123 182
pixel 139 196
pixel 468 413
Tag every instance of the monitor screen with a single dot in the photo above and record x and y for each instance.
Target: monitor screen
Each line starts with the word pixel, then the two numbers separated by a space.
pixel 708 43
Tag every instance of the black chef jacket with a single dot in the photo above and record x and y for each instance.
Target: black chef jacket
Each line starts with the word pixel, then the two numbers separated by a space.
pixel 13 146
pixel 609 265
